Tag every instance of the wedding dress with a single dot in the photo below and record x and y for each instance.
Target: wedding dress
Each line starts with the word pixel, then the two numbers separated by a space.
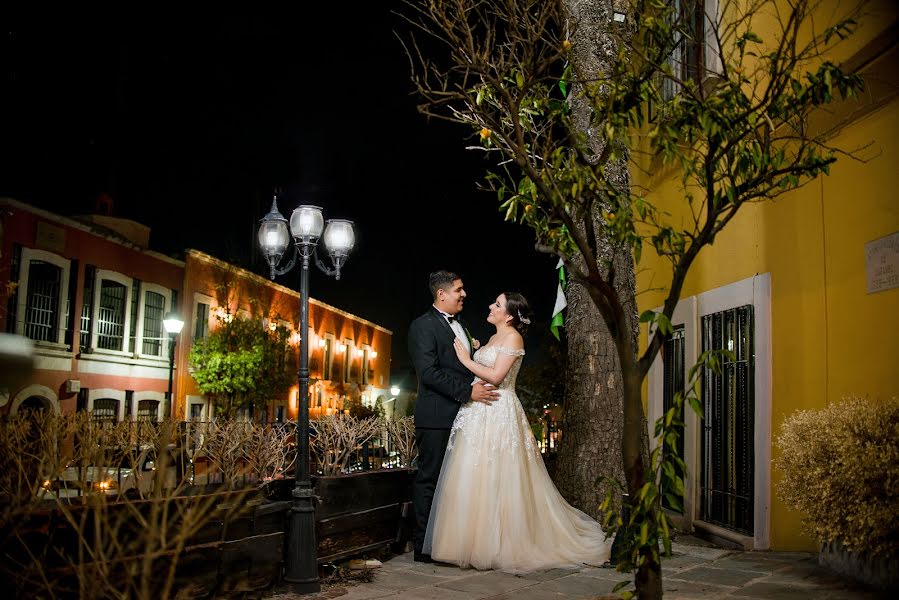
pixel 495 506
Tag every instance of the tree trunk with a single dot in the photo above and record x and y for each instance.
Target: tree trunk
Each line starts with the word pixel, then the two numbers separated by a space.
pixel 597 438
pixel 593 408
pixel 591 442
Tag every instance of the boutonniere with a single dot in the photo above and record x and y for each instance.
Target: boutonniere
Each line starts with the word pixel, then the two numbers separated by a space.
pixel 473 343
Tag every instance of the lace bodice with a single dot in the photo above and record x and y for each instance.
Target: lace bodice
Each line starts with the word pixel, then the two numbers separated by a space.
pixel 486 356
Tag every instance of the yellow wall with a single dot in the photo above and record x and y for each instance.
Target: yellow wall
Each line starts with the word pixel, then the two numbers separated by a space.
pixel 829 337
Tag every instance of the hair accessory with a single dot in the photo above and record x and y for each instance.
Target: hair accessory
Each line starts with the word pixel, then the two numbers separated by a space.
pixel 523 319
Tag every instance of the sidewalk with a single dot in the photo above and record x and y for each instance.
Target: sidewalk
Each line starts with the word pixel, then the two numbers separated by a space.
pixel 696 570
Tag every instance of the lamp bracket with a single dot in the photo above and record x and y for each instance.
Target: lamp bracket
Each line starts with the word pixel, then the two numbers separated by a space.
pixel 305 251
pixel 335 272
pixel 281 271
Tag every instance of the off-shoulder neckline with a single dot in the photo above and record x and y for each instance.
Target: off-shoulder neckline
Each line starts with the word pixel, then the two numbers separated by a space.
pixel 502 348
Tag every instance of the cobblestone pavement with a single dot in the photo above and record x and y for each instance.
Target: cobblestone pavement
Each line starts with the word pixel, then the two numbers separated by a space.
pixel 696 570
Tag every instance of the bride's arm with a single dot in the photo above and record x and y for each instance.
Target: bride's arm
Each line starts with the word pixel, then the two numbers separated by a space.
pixel 494 374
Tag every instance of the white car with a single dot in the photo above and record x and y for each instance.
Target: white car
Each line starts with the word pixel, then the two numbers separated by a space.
pixel 115 481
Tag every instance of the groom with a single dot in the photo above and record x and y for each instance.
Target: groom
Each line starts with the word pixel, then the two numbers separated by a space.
pixel 443 386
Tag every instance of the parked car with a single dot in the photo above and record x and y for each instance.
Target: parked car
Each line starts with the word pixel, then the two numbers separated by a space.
pixel 128 478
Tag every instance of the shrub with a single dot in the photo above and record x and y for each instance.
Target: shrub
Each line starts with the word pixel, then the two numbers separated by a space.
pixel 840 466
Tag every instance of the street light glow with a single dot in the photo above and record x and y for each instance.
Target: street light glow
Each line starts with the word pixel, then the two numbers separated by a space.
pixel 173 323
pixel 306 224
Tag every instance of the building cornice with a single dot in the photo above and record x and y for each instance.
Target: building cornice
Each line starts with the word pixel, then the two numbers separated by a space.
pixel 87 228
pixel 211 260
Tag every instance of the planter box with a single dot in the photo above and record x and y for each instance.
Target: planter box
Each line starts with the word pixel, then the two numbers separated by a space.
pixel 362 512
pixel 879 572
pixel 241 547
pixel 359 512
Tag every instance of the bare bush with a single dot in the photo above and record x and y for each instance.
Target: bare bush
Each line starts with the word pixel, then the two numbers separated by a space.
pixel 66 529
pixel 402 434
pixel 225 443
pixel 336 437
pixel 269 454
pixel 840 468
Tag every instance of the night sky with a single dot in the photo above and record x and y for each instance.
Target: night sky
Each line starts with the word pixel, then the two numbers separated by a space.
pixel 190 123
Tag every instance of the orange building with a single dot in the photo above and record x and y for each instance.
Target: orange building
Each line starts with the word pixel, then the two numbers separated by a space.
pixel 349 357
pixel 91 296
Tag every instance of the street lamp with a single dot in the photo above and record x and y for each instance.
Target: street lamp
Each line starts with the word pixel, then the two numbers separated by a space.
pixel 306 226
pixel 173 324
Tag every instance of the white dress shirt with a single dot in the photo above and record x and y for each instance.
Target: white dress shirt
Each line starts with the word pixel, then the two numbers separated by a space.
pixel 456 326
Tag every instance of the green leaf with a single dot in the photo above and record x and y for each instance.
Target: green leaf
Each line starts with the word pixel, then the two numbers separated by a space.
pixel 674 501
pixel 664 324
pixel 512 210
pixel 695 405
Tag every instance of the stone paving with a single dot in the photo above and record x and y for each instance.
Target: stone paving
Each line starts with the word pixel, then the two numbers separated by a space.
pixel 695 571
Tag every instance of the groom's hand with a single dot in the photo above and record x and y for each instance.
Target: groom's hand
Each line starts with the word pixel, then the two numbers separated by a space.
pixel 484 392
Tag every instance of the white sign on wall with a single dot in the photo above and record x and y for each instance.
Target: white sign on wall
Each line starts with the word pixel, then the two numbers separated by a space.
pixel 882 263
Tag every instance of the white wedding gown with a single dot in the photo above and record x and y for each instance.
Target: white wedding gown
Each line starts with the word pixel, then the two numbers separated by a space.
pixel 495 506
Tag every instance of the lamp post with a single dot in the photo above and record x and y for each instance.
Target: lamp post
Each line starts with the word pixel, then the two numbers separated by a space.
pixel 306 226
pixel 173 324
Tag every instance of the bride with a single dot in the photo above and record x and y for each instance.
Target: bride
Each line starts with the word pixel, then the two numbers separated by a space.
pixel 495 506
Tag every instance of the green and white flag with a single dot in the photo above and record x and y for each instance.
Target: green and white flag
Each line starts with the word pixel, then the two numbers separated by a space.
pixel 558 319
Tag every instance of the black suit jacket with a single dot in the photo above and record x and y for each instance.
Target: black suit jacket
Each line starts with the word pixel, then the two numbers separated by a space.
pixel 443 383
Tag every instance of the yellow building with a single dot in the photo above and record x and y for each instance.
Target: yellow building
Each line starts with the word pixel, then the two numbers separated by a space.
pixel 804 289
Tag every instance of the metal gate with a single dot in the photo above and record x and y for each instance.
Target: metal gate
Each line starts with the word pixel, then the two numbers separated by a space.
pixel 728 427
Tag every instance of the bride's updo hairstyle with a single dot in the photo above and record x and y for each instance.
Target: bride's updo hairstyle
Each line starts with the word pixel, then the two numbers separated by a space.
pixel 518 308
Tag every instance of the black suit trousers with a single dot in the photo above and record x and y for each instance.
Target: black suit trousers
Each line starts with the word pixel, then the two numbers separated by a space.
pixel 431 448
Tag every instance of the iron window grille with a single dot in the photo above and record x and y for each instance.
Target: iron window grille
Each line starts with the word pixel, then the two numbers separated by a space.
pixel 201 327
pixel 87 306
pixel 106 410
pixel 147 410
pixel 153 334
pixel 728 427
pixel 111 316
pixel 42 303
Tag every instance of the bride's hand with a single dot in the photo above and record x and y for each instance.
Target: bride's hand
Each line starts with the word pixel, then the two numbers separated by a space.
pixel 475 343
pixel 461 350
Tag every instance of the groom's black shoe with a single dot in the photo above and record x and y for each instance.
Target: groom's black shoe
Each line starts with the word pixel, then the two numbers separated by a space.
pixel 422 558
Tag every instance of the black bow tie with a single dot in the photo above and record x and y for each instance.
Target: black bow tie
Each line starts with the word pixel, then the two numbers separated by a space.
pixel 450 319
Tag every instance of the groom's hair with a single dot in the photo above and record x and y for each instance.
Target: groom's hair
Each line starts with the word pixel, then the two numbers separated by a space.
pixel 440 280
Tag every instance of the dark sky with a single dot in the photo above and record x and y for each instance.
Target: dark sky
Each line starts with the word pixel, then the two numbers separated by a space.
pixel 190 123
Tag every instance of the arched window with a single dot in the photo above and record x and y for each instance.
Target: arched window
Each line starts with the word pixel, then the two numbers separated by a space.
pixel 148 410
pixel 106 410
pixel 34 403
